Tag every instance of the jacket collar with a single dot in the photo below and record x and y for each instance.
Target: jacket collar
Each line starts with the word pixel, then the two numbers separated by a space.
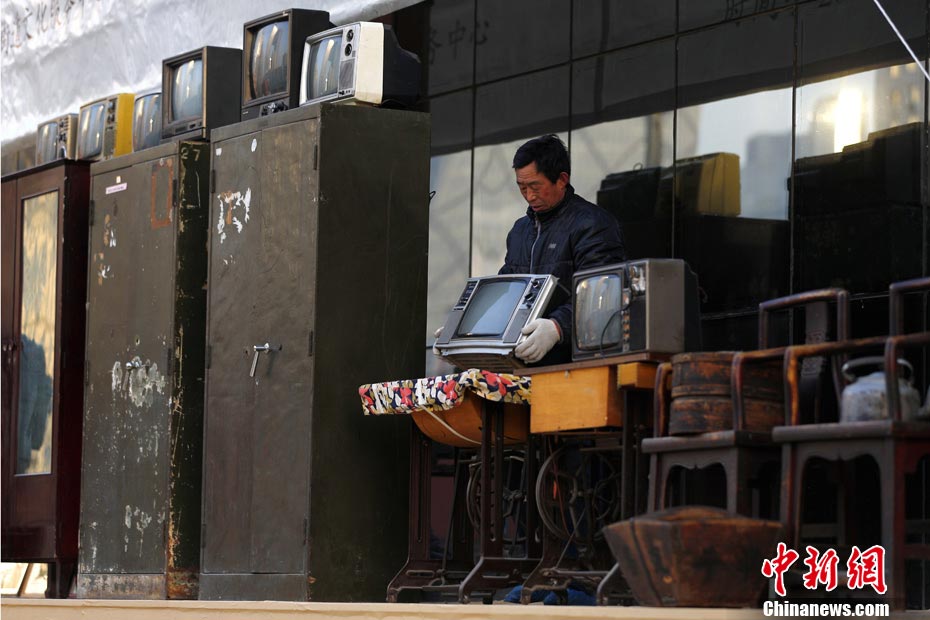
pixel 545 216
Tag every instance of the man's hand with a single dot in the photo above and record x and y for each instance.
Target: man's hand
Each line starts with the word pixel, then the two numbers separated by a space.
pixel 437 333
pixel 541 335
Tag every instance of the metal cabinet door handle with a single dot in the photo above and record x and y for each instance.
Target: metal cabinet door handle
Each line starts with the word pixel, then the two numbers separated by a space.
pixel 261 348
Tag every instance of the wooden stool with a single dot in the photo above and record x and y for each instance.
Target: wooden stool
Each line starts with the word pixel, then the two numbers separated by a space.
pixel 745 448
pixel 895 445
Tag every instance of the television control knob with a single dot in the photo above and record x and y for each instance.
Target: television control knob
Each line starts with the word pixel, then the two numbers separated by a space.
pixel 350 35
pixel 348 49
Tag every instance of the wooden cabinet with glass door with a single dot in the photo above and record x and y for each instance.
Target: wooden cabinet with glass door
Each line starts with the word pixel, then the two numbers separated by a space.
pixel 44 234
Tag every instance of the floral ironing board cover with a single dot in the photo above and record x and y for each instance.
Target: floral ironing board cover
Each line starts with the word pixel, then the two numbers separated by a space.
pixel 443 392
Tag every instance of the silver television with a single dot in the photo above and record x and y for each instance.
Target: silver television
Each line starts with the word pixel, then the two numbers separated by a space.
pixel 484 325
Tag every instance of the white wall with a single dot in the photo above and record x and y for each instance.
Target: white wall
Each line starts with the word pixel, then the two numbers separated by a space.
pixel 58 54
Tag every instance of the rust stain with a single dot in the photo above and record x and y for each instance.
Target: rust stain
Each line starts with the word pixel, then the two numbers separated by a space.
pixel 153 218
pixel 183 583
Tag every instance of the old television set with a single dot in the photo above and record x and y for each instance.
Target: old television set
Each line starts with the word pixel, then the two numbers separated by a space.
pixel 649 305
pixel 105 128
pixel 484 326
pixel 146 121
pixel 56 139
pixel 272 48
pixel 359 63
pixel 708 184
pixel 201 90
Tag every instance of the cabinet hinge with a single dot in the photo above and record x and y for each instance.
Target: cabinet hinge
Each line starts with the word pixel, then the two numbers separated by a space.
pixel 316 155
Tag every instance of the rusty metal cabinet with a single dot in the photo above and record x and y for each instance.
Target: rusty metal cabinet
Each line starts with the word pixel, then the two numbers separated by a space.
pixel 44 231
pixel 318 247
pixel 143 407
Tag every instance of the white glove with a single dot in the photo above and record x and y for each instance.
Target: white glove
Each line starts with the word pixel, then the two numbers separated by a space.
pixel 437 333
pixel 541 335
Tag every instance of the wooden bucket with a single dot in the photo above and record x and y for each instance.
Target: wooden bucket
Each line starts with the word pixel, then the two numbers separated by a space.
pixel 702 400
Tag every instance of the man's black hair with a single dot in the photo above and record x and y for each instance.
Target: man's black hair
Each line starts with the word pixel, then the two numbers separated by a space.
pixel 548 152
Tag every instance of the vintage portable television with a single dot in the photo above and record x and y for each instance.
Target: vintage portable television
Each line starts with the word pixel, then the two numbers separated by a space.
pixel 484 326
pixel 272 48
pixel 646 305
pixel 56 139
pixel 708 184
pixel 146 121
pixel 360 63
pixel 201 91
pixel 105 128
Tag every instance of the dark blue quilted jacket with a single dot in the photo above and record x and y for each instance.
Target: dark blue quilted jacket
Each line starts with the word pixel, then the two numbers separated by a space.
pixel 572 236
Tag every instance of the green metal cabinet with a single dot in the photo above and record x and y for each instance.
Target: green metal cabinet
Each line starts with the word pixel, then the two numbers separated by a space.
pixel 143 404
pixel 318 242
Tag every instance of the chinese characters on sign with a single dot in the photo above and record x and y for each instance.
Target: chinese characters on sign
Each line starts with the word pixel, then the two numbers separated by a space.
pixel 863 568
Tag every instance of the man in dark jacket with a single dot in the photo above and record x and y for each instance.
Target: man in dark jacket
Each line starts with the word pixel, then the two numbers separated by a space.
pixel 560 234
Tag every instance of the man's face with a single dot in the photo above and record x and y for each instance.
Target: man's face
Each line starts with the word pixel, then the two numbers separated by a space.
pixel 538 191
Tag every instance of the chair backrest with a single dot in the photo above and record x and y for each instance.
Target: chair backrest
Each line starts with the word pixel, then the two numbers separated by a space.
pixel 817 328
pixel 896 293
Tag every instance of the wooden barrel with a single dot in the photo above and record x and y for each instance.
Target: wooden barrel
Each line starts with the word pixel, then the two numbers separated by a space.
pixel 701 398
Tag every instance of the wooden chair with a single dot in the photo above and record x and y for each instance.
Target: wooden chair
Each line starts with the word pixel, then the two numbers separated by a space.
pixel 896 446
pixel 745 449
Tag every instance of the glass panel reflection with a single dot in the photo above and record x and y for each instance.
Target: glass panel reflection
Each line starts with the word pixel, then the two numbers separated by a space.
pixel 449 216
pixel 37 354
pixel 621 141
pixel 517 36
pixel 451 58
pixel 733 159
pixel 600 25
pixel 860 155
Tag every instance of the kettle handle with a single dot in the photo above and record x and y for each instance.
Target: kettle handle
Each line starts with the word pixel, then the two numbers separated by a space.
pixel 876 362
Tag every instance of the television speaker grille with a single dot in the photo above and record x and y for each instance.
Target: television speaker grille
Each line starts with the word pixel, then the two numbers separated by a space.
pixel 347 76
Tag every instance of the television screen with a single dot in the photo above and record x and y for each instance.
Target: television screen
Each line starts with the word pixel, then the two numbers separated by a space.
pixel 490 308
pixel 323 65
pixel 268 60
pixel 47 142
pixel 597 311
pixel 146 121
pixel 90 130
pixel 187 91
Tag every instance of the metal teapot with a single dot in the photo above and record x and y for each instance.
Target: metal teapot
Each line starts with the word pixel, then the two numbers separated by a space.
pixel 864 398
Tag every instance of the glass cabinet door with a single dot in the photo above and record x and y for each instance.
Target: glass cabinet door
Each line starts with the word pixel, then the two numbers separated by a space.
pixel 37 328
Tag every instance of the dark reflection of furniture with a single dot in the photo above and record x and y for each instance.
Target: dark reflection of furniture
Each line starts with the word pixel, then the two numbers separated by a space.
pixel 745 450
pixel 501 521
pixel 44 232
pixel 857 210
pixel 591 475
pixel 896 446
pixel 756 251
